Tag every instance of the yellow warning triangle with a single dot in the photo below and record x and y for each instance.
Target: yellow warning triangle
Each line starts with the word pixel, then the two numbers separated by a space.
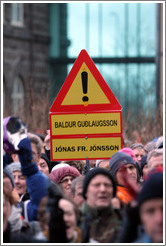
pixel 94 92
pixel 85 90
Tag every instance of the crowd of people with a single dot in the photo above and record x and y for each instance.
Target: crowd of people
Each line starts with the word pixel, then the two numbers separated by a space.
pixel 116 200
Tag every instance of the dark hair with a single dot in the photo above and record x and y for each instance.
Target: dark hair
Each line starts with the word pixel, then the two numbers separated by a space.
pixel 77 164
pixel 44 157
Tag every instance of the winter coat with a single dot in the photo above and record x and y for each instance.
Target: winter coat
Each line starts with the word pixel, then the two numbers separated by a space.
pixel 131 226
pixel 36 181
pixel 15 219
pixel 123 194
pixel 102 226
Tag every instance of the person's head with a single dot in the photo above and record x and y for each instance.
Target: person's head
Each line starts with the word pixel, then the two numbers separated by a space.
pixel 9 185
pixel 69 216
pixel 122 161
pixel 98 188
pixel 64 176
pixel 155 158
pixel 19 179
pixel 8 179
pixel 159 143
pixel 149 146
pixel 139 151
pixel 76 190
pixel 103 164
pixel 144 166
pixel 36 145
pixel 150 202
pixel 44 164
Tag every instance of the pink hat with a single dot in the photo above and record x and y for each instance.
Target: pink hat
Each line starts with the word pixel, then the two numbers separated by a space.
pixel 59 166
pixel 58 174
pixel 129 152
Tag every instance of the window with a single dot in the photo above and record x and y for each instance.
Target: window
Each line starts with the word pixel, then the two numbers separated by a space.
pixel 118 30
pixel 17 14
pixel 122 38
pixel 112 29
pixel 17 97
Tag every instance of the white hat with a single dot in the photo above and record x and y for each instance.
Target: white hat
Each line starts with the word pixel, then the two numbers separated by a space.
pixel 98 162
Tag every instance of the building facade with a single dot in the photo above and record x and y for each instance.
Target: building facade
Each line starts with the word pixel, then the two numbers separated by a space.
pixel 32 33
pixel 25 53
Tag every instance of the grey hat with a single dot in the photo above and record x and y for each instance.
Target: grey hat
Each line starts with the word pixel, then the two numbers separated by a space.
pixel 15 166
pixel 118 160
pixel 9 174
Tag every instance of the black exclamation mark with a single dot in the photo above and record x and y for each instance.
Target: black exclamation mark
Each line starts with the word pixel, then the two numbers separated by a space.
pixel 84 77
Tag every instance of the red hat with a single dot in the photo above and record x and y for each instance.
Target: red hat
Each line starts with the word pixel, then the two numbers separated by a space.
pixel 58 174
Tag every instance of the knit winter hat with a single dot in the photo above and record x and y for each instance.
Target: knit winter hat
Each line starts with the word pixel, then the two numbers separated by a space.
pixel 91 174
pixel 9 174
pixel 44 157
pixel 58 174
pixel 129 152
pixel 119 159
pixel 152 188
pixel 15 166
